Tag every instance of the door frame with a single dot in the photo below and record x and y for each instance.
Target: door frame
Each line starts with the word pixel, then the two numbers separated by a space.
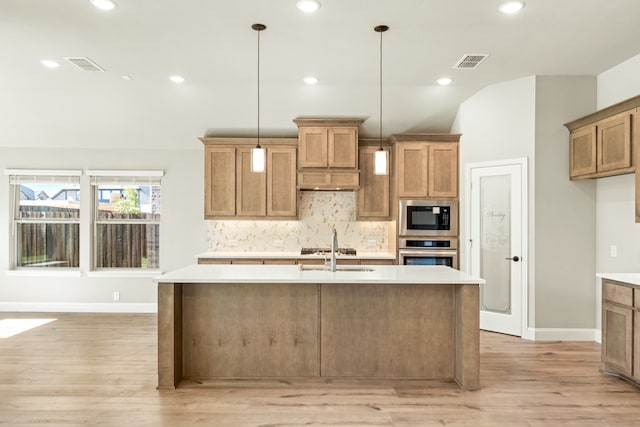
pixel 524 171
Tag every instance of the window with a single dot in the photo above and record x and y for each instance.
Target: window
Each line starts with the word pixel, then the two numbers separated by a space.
pixel 46 218
pixel 126 220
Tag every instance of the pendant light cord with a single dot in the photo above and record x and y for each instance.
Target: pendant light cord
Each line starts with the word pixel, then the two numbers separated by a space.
pixel 380 29
pixel 258 88
pixel 380 130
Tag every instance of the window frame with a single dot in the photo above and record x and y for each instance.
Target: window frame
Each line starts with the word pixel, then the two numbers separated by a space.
pixel 123 178
pixel 18 177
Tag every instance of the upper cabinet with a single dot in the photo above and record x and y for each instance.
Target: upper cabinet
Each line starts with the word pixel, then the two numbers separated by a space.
pixel 602 144
pixel 328 153
pixel 374 193
pixel 232 191
pixel 427 166
pixel 607 143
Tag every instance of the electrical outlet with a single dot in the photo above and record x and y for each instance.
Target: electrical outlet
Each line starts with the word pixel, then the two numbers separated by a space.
pixel 372 243
pixel 232 243
pixel 614 251
pixel 116 296
pixel 277 243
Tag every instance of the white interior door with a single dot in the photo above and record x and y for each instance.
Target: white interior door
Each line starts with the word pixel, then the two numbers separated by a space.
pixel 497 240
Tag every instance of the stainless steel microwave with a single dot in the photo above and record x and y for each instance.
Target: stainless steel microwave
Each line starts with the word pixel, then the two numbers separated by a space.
pixel 428 218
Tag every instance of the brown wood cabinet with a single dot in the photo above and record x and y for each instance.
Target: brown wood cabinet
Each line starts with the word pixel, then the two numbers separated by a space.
pixel 621 328
pixel 220 181
pixel 328 153
pixel 426 166
pixel 232 191
pixel 374 193
pixel 602 144
pixel 607 143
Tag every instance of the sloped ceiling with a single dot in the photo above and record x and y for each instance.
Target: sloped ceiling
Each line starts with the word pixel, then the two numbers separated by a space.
pixel 212 45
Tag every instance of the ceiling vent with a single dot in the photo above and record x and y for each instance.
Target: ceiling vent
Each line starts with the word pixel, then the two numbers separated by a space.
pixel 471 60
pixel 85 64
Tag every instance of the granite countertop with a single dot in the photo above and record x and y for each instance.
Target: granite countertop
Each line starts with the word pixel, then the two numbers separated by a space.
pixel 630 278
pixel 229 273
pixel 290 255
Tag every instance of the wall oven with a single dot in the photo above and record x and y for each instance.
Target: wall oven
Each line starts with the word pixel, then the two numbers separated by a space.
pixel 428 251
pixel 428 218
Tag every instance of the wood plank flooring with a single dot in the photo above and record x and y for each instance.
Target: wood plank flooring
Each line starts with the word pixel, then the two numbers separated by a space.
pixel 101 369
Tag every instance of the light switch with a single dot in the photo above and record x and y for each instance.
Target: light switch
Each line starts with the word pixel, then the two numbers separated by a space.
pixel 614 251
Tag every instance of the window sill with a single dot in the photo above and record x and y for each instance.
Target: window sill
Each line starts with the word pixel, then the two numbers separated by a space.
pixel 49 272
pixel 124 273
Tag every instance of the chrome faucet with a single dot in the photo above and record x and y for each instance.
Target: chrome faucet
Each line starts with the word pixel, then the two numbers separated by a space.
pixel 334 248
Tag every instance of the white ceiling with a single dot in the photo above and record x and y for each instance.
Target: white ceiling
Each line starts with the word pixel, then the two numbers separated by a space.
pixel 212 45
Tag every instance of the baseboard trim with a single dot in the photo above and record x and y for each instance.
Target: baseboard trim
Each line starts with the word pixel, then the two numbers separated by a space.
pixel 71 307
pixel 564 334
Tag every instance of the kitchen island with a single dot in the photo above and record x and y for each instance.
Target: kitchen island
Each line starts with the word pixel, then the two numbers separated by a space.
pixel 278 321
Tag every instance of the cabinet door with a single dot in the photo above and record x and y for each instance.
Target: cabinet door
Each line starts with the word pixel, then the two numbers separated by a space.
pixel 220 181
pixel 617 337
pixel 343 147
pixel 582 151
pixel 614 143
pixel 412 170
pixel 373 195
pixel 313 143
pixel 636 343
pixel 282 196
pixel 251 187
pixel 443 170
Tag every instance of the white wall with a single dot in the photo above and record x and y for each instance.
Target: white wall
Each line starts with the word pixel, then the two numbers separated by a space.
pixel 524 118
pixel 182 229
pixel 615 223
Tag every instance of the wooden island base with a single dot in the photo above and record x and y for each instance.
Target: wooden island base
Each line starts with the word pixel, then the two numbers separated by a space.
pixel 311 330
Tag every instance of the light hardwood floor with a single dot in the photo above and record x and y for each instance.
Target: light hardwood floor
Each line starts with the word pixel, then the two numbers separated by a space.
pixel 101 369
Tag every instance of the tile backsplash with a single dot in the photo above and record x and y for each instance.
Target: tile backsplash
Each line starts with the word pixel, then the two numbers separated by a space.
pixel 320 212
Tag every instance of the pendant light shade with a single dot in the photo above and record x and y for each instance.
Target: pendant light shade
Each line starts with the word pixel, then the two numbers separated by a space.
pixel 258 155
pixel 381 162
pixel 381 157
pixel 258 160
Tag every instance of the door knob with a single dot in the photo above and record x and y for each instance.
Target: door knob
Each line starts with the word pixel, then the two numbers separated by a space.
pixel 515 258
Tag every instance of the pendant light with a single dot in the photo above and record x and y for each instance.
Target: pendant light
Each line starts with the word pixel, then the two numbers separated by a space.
pixel 381 157
pixel 258 159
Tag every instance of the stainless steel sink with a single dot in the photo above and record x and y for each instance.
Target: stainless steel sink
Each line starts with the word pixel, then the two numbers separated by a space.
pixel 315 267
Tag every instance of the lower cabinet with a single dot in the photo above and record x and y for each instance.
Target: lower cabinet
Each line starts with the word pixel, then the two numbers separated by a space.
pixel 617 337
pixel 621 329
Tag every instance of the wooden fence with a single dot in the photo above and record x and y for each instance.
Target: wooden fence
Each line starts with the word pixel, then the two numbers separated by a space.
pixel 48 244
pixel 57 244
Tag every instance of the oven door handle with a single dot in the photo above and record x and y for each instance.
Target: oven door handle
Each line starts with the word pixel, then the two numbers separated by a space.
pixel 428 252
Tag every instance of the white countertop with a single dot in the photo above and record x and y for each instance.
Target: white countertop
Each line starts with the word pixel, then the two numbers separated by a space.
pixel 396 274
pixel 631 278
pixel 289 255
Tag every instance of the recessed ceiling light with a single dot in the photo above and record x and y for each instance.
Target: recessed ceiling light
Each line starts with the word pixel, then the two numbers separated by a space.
pixel 104 4
pixel 510 7
pixel 443 81
pixel 49 63
pixel 308 5
pixel 177 79
pixel 310 80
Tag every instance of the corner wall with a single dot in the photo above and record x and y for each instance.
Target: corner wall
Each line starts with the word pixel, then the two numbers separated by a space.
pixel 615 208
